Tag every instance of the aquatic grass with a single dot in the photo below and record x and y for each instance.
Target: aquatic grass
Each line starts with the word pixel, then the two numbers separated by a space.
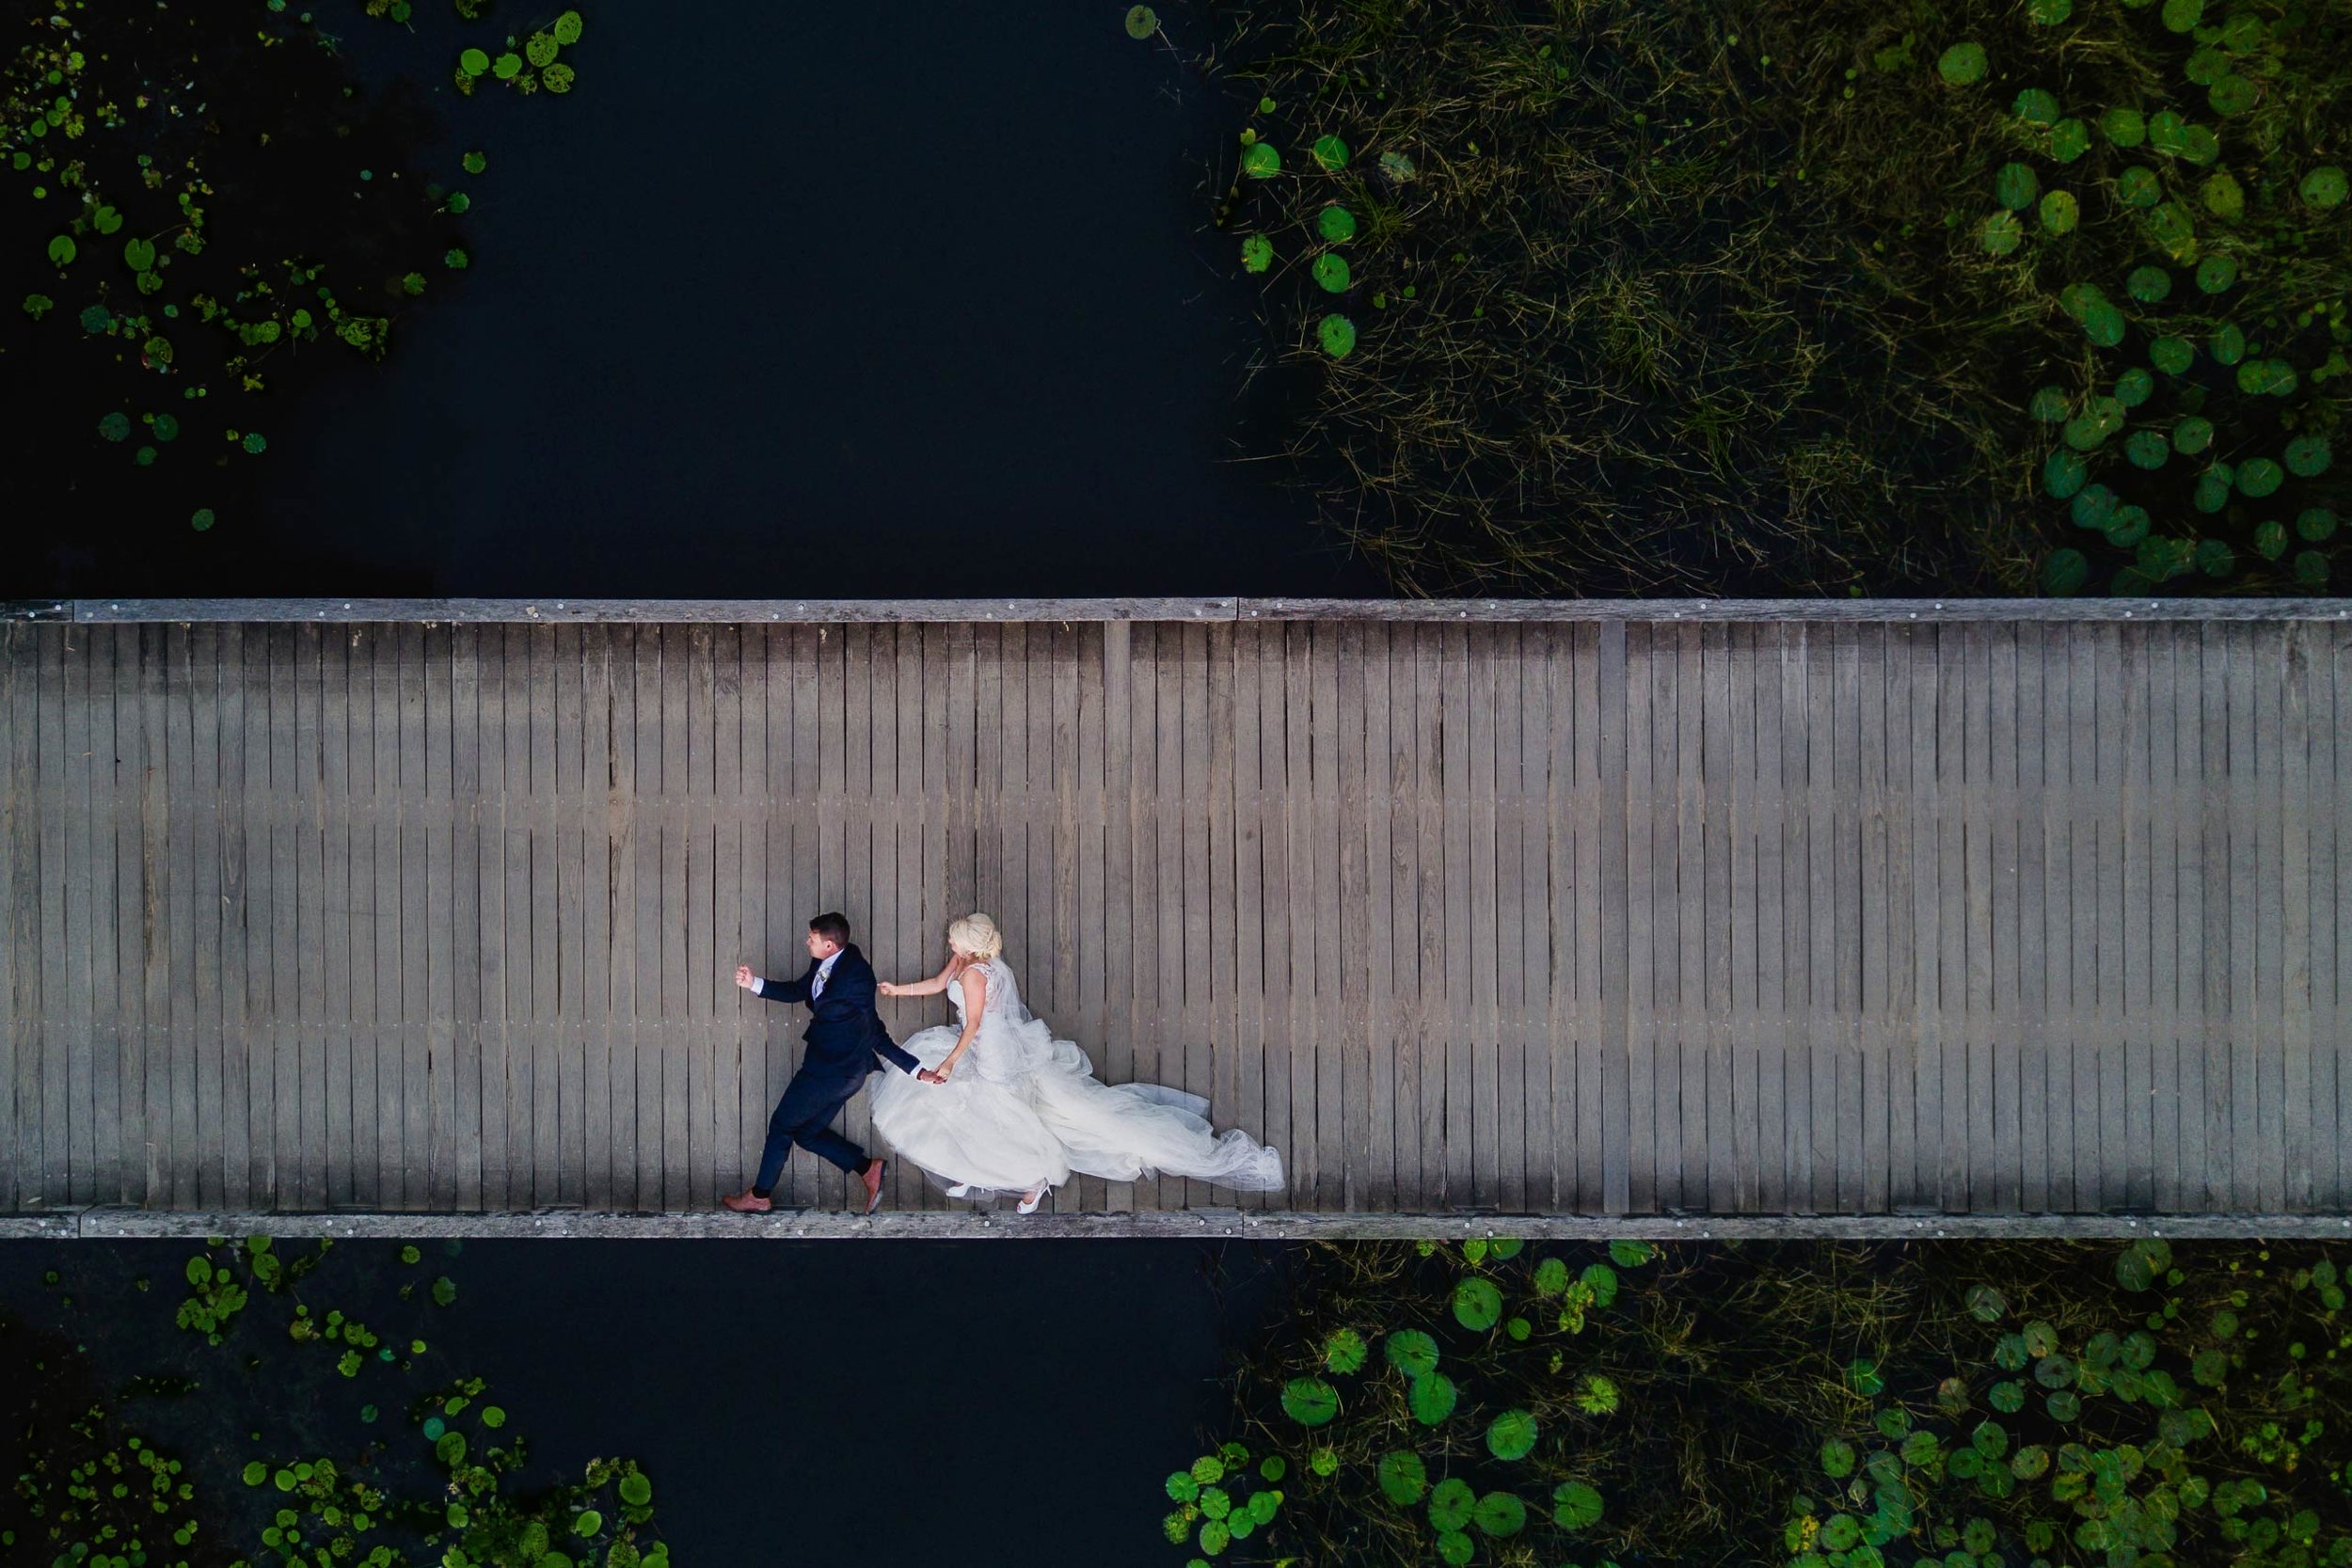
pixel 1670 297
pixel 1821 1405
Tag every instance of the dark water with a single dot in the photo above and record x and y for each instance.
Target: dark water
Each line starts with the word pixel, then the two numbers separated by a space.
pixel 1004 1402
pixel 784 300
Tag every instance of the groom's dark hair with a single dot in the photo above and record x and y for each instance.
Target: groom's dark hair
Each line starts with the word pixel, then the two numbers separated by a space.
pixel 835 928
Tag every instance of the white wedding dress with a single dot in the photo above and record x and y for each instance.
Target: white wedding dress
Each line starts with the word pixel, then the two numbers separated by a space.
pixel 1022 1110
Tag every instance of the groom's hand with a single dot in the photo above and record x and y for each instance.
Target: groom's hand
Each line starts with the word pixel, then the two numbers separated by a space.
pixel 928 1076
pixel 744 977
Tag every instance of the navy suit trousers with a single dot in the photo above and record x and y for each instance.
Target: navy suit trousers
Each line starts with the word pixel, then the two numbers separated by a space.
pixel 805 1117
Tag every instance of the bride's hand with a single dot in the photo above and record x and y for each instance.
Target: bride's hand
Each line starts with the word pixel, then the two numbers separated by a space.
pixel 888 988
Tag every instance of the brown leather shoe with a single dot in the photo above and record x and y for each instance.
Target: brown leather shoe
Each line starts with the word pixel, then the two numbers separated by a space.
pixel 746 1202
pixel 872 1177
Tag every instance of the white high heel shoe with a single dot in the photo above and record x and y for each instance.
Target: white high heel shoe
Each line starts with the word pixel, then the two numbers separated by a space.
pixel 961 1189
pixel 1029 1204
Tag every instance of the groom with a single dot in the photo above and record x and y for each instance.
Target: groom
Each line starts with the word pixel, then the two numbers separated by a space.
pixel 843 1039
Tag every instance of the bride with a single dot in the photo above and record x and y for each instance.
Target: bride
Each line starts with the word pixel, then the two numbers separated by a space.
pixel 1018 1109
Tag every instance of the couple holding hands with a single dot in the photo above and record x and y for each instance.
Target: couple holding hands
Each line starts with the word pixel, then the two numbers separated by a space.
pixel 991 1103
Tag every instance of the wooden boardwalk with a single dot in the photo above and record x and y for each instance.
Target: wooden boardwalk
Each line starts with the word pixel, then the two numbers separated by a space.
pixel 1840 909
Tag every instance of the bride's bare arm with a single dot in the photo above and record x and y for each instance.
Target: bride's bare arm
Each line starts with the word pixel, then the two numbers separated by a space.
pixel 932 987
pixel 975 1000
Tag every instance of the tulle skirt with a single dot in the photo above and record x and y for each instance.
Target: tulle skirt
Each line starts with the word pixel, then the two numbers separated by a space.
pixel 1031 1111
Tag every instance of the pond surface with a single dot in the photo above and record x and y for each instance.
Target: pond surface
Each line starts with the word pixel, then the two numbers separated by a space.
pixel 1011 1402
pixel 782 301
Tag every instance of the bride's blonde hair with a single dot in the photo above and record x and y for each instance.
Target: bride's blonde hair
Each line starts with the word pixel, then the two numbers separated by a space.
pixel 977 935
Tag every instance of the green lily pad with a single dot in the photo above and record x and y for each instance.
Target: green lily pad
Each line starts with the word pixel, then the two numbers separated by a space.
pixel 2266 378
pixel 1344 1351
pixel 2149 285
pixel 2036 106
pixel 2069 138
pixel 1142 22
pixel 1449 1503
pixel 2226 343
pixel 2224 197
pixel 2139 187
pixel 1330 153
pixel 1477 1305
pixel 1500 1515
pixel 2127 528
pixel 1336 224
pixel 557 77
pixel 138 254
pixel 2049 406
pixel 1411 1352
pixel 508 66
pixel 2324 189
pixel 567 28
pixel 201 519
pixel 2060 211
pixel 1863 1376
pixel 1575 1506
pixel 2147 449
pixel 2003 233
pixel 2048 14
pixel 1986 1304
pixel 1432 1398
pixel 2167 132
pixel 2200 145
pixel 2270 540
pixel 1338 336
pixel 2214 273
pixel 2062 474
pixel 117 427
pixel 1456 1550
pixel 2182 16
pixel 1402 1477
pixel 2315 523
pixel 62 251
pixel 2308 457
pixel 2173 355
pixel 2311 569
pixel 1257 253
pixel 2216 559
pixel 2258 477
pixel 2134 386
pixel 2213 489
pixel 1837 1458
pixel 2064 572
pixel 1309 1400
pixel 539 49
pixel 1260 161
pixel 2232 94
pixel 2015 186
pixel 1330 272
pixel 588 1523
pixel 2124 128
pixel 2007 1397
pixel 2093 507
pixel 1511 1434
pixel 2192 435
pixel 1962 65
pixel 473 62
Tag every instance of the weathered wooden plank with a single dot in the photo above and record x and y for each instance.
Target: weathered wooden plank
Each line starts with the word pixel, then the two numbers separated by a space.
pixel 1535 1030
pixel 342 804
pixel 1376 1041
pixel 2132 1128
pixel 2331 934
pixel 1981 1162
pixel 21 1180
pixel 1768 818
pixel 1470 775
pixel 2160 651
pixel 103 1042
pixel 1691 922
pixel 468 1029
pixel 2293 901
pixel 1897 870
pixel 2243 806
pixel 563 845
pixel 1504 959
pixel 1732 1011
pixel 1647 1172
pixel 1958 1130
pixel 1433 1032
pixel 1726 1108
pixel 65 1110
pixel 1823 857
pixel 401 1131
pixel 2264 805
pixel 1311 1181
pixel 1119 879
pixel 2004 1014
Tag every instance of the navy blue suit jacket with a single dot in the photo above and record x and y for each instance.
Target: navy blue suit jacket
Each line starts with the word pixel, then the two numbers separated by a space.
pixel 845 1033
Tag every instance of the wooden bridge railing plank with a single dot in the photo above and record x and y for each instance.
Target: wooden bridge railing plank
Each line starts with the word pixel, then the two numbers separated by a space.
pixel 1558 914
